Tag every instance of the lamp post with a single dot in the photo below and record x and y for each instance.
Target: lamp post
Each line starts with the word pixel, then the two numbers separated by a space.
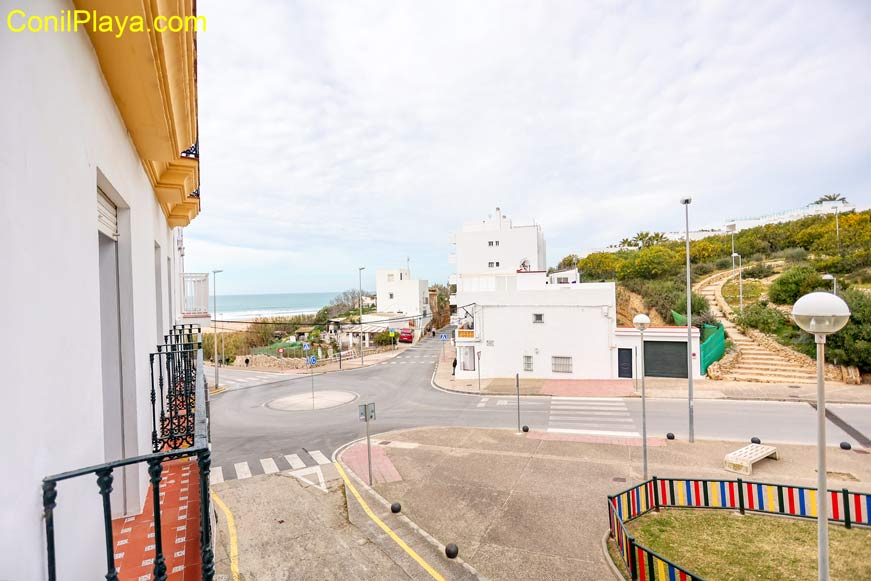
pixel 731 228
pixel 740 279
pixel 215 320
pixel 686 204
pixel 642 322
pixel 821 314
pixel 834 280
pixel 360 273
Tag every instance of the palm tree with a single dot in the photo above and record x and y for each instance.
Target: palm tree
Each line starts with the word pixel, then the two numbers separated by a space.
pixel 626 243
pixel 831 198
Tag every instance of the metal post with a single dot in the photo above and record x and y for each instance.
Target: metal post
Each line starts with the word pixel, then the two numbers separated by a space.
pixel 822 487
pixel 479 374
pixel 215 322
pixel 311 370
pixel 838 229
pixel 689 325
pixel 360 272
pixel 741 281
pixel 733 251
pixel 223 352
pixel 517 384
pixel 643 411
pixel 368 446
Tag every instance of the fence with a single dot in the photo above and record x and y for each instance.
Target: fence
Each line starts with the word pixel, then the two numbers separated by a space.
pixel 714 346
pixel 848 508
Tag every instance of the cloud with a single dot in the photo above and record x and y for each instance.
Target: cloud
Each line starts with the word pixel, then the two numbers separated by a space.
pixel 364 132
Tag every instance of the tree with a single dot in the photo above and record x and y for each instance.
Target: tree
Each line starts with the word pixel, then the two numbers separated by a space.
pixel 599 266
pixel 831 198
pixel 570 261
pixel 651 262
pixel 852 344
pixel 792 284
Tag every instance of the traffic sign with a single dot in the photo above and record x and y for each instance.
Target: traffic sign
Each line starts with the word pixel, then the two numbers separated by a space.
pixel 306 346
pixel 312 360
pixel 443 337
pixel 366 409
pixel 281 349
pixel 392 333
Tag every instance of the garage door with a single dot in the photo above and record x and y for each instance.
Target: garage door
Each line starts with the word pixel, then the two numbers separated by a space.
pixel 665 358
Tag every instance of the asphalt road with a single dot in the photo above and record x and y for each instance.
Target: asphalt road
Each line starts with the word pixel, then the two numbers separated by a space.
pixel 250 437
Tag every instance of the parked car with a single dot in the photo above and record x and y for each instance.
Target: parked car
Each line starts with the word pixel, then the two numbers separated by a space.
pixel 406 336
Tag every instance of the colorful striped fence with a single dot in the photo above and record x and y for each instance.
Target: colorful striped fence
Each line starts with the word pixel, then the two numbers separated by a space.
pixel 845 507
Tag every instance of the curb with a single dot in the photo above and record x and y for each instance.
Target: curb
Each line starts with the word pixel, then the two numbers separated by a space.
pixel 617 574
pixel 383 501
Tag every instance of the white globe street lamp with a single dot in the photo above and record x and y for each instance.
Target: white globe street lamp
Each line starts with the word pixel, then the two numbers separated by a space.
pixel 821 314
pixel 686 204
pixel 642 322
pixel 834 280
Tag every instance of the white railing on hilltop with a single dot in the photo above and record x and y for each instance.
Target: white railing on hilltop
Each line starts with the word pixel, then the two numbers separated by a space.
pixel 196 293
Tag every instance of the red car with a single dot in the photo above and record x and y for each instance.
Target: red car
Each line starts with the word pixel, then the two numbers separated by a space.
pixel 406 336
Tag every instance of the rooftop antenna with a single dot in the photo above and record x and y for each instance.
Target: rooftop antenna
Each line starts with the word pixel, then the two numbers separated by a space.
pixel 408 265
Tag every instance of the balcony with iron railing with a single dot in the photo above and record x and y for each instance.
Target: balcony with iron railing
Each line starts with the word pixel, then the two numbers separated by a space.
pixel 195 287
pixel 148 544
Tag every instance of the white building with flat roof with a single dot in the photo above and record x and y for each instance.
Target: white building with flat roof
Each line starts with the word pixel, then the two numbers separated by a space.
pixel 401 301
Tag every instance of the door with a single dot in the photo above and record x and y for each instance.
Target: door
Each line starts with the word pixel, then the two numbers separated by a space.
pixel 624 363
pixel 665 359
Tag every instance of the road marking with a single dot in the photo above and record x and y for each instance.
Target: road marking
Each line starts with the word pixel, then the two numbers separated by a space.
pixel 294 461
pixel 216 476
pixel 411 553
pixel 586 399
pixel 242 470
pixel 575 413
pixel 318 457
pixel 269 466
pixel 593 432
pixel 316 470
pixel 234 543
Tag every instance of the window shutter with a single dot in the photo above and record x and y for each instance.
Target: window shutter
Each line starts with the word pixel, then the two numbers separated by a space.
pixel 107 215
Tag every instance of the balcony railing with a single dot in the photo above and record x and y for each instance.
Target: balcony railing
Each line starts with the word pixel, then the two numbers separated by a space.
pixel 182 433
pixel 196 294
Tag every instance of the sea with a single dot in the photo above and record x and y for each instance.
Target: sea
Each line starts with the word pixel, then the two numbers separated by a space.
pixel 248 307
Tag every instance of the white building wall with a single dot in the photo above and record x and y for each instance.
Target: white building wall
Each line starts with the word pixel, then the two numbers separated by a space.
pixel 62 135
pixel 409 296
pixel 630 338
pixel 474 251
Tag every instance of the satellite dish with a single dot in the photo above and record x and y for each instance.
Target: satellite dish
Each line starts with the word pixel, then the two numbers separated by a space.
pixel 524 265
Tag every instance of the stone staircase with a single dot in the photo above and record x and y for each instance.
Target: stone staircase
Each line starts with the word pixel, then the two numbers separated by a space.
pixel 755 362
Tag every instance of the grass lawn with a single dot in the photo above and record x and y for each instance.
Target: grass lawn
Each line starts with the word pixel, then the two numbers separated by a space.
pixel 752 290
pixel 725 546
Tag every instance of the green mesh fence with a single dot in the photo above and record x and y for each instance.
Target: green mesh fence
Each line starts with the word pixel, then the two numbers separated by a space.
pixel 714 346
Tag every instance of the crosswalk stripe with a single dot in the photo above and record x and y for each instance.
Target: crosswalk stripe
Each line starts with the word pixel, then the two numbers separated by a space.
pixel 216 476
pixel 587 399
pixel 242 470
pixel 318 457
pixel 592 432
pixel 585 413
pixel 294 461
pixel 269 466
pixel 593 421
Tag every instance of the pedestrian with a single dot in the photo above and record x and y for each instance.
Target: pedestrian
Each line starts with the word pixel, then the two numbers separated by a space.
pixel 433 333
pixel 454 365
pixel 247 362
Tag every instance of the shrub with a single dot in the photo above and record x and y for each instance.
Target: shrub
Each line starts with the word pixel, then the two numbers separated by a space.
pixel 793 283
pixel 761 316
pixel 723 263
pixel 794 254
pixel 852 344
pixel 383 338
pixel 599 266
pixel 660 295
pixel 651 262
pixel 758 271
pixel 757 258
pixel 703 269
pixel 700 306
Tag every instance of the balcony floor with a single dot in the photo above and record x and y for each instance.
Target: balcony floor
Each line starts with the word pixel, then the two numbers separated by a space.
pixel 180 528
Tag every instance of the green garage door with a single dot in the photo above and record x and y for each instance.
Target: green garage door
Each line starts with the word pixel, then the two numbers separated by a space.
pixel 665 358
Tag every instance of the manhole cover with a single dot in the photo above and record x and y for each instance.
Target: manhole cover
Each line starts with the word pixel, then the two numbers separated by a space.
pixel 618 479
pixel 794 387
pixel 321 400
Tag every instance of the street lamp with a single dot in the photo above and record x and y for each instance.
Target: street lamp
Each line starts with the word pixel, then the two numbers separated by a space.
pixel 834 280
pixel 642 322
pixel 821 314
pixel 686 204
pixel 360 272
pixel 740 279
pixel 215 320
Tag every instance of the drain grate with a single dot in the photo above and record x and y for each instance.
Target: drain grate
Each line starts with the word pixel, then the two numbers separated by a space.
pixel 618 479
pixel 794 387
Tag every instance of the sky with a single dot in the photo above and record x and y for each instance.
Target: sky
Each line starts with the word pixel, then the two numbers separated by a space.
pixel 362 133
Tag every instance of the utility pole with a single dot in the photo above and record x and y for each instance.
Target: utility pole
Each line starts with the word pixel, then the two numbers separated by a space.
pixel 360 272
pixel 215 321
pixel 686 203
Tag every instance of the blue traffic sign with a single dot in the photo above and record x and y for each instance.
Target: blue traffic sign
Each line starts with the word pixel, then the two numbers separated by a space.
pixel 306 346
pixel 443 337
pixel 312 360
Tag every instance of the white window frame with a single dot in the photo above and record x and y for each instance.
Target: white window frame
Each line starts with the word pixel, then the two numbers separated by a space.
pixel 527 363
pixel 561 364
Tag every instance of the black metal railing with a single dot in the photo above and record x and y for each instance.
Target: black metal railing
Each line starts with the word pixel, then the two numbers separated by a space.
pixel 181 357
pixel 173 395
pixel 193 151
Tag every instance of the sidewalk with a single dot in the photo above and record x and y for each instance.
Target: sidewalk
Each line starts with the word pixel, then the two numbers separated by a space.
pixel 656 387
pixel 534 506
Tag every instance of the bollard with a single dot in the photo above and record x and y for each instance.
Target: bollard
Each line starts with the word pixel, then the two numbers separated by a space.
pixel 755 440
pixel 451 551
pixel 669 436
pixel 525 429
pixel 846 446
pixel 395 507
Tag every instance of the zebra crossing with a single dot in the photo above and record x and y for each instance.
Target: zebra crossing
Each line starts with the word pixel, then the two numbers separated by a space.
pixel 268 465
pixel 591 416
pixel 249 379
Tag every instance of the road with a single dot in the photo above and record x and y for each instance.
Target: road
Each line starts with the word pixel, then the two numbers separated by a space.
pixel 250 438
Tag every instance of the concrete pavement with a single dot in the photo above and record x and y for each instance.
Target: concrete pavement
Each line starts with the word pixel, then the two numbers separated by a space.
pixel 533 506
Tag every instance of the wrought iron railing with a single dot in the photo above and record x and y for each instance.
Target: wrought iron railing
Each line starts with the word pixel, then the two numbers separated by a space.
pixel 173 388
pixel 182 359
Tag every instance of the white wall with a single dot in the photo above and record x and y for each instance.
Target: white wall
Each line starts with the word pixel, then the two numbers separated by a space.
pixel 629 338
pixel 578 322
pixel 61 133
pixel 402 294
pixel 474 252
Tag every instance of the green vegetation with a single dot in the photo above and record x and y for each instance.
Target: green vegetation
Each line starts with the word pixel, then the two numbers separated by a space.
pixel 758 271
pixel 792 284
pixel 729 547
pixel 732 292
pixel 763 317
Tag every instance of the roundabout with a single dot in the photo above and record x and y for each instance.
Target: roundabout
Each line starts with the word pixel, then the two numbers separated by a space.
pixel 319 400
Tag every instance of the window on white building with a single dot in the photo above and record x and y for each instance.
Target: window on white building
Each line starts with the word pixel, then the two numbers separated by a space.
pixel 497 264
pixel 390 277
pixel 527 363
pixel 561 364
pixel 391 295
pixel 497 243
pixel 490 243
pixel 426 300
pixel 538 318
pixel 491 264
